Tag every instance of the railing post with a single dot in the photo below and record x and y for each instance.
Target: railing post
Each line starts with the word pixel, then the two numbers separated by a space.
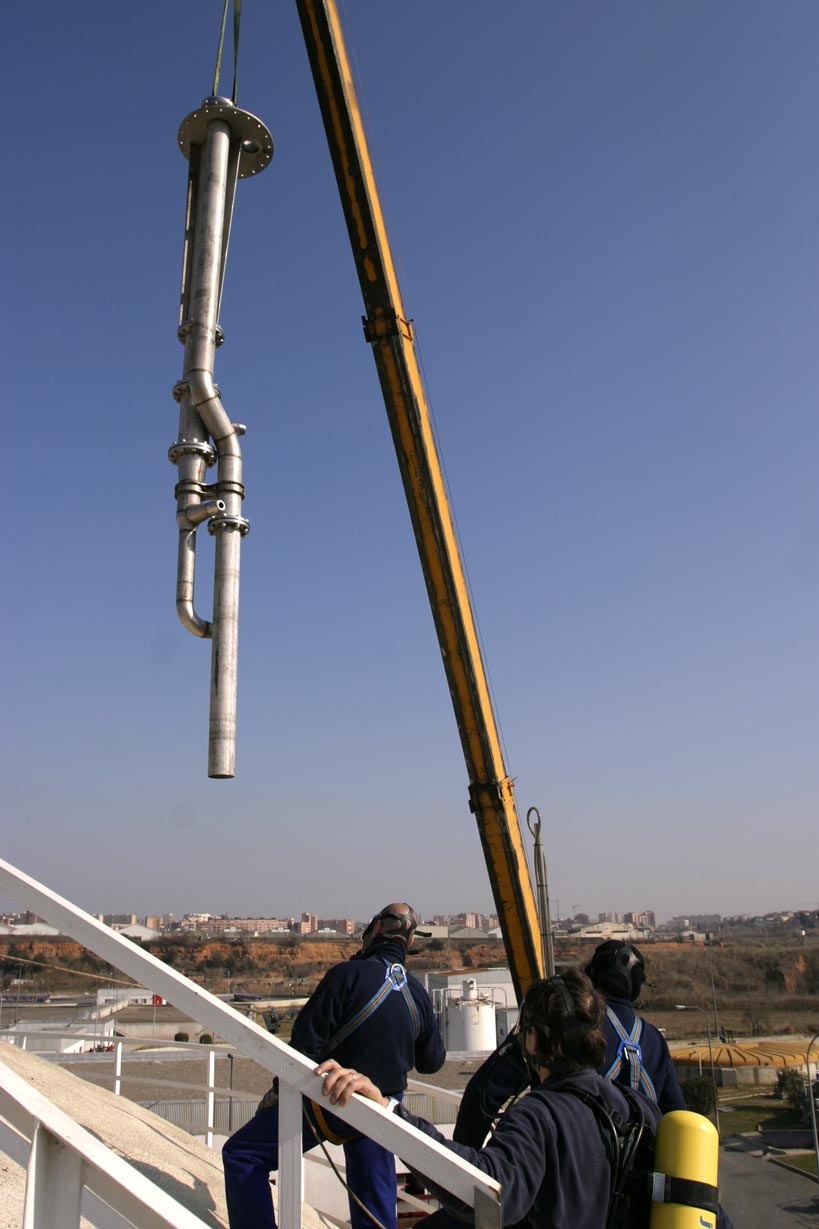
pixel 211 1096
pixel 230 1100
pixel 53 1184
pixel 125 1189
pixel 291 1164
pixel 118 1069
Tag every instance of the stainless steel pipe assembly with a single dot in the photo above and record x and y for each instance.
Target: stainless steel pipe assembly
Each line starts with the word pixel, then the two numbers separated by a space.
pixel 222 144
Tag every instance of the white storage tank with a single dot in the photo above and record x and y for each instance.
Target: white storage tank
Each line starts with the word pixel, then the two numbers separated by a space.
pixel 470 1021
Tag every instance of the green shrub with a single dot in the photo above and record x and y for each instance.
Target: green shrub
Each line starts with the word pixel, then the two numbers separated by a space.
pixel 789 1086
pixel 699 1094
pixel 181 1037
pixel 206 1039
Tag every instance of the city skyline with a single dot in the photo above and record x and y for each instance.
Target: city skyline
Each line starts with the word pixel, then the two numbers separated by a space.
pixel 313 924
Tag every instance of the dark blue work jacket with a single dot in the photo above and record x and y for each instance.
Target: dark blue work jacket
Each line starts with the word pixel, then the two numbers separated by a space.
pixel 505 1074
pixel 384 1047
pixel 547 1152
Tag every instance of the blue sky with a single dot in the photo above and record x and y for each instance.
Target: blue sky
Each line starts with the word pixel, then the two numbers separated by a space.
pixel 606 219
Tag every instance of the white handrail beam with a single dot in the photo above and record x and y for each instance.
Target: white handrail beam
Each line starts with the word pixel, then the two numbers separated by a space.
pixel 442 1167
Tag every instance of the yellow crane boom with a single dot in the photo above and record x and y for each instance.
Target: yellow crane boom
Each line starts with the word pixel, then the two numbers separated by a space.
pixel 390 334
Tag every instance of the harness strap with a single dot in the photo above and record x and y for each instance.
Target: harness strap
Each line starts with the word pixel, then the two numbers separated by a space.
pixel 321 1128
pixel 630 1052
pixel 395 979
pixel 397 975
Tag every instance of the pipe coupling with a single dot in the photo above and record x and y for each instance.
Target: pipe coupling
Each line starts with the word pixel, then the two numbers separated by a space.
pixel 191 448
pixel 219 522
pixel 185 327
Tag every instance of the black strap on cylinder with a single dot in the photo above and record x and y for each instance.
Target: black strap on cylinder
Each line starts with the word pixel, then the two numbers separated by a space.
pixel 684 1191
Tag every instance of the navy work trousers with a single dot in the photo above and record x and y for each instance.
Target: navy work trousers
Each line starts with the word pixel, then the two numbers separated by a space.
pixel 252 1153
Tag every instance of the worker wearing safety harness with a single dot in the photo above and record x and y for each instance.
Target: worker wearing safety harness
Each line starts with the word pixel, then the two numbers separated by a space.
pixel 373 1016
pixel 547 1153
pixel 636 1051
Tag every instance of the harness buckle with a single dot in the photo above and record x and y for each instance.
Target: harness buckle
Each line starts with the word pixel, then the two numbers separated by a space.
pixel 397 976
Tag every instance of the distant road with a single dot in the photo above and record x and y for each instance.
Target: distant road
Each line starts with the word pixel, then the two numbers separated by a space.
pixel 759 1195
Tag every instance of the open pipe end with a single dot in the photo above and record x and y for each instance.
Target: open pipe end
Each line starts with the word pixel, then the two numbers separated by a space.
pixel 222 759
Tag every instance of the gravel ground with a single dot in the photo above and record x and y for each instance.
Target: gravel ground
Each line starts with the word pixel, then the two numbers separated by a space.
pixel 177 1162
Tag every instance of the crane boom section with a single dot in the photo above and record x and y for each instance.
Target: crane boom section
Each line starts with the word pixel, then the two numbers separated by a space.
pixel 390 334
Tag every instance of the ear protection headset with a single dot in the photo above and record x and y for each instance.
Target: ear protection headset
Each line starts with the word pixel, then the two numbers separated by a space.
pixel 406 928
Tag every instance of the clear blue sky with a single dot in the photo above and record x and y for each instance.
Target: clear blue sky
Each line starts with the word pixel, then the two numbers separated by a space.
pixel 607 223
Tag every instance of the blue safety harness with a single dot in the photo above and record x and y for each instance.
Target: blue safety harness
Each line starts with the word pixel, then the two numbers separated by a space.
pixel 627 1067
pixel 395 980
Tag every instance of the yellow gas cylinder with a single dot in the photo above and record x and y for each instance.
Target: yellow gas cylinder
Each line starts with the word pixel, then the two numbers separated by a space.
pixel 687 1147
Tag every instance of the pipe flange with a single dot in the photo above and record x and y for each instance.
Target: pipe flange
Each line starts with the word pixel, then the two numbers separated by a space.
pixel 182 389
pixel 185 327
pixel 191 448
pixel 216 523
pixel 257 144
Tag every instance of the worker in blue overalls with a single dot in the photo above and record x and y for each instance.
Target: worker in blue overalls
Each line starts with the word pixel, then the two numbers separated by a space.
pixel 373 1016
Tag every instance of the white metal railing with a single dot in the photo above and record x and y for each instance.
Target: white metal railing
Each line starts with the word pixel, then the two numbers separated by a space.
pixel 431 1096
pixel 295 1073
pixel 64 1159
pixel 116 1046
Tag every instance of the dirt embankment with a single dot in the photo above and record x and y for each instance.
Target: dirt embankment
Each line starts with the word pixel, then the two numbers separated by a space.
pixel 760 987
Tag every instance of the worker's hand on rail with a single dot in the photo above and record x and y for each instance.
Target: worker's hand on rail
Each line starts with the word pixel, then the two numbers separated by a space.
pixel 341 1082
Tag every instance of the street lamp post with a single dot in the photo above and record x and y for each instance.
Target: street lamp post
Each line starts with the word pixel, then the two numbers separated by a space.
pixel 813 1039
pixel 713 992
pixel 703 1012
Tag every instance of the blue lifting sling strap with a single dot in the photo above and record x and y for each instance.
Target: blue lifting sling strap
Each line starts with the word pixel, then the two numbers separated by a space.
pixel 395 980
pixel 627 1067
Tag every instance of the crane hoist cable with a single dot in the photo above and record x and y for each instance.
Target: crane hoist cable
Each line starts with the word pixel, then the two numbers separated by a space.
pixel 237 21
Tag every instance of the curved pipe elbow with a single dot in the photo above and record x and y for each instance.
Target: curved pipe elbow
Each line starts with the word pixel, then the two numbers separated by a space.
pixel 185 575
pixel 191 621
